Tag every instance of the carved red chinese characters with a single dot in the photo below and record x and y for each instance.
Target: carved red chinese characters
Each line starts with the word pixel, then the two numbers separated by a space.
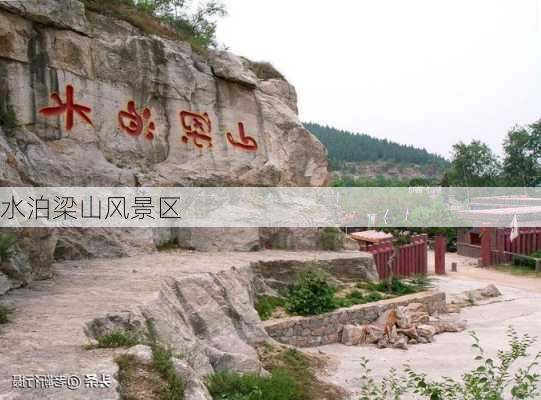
pixel 133 123
pixel 246 142
pixel 69 107
pixel 196 127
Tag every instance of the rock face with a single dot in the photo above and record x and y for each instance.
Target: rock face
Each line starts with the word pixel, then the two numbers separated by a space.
pixel 200 107
pixel 207 319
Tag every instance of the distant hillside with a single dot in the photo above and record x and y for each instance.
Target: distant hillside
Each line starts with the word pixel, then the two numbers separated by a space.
pixel 346 147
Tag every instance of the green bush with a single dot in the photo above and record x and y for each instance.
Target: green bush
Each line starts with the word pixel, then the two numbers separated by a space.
pixel 6 246
pixel 8 119
pixel 526 262
pixel 172 19
pixel 116 339
pixel 234 386
pixel 311 295
pixel 4 314
pixel 489 380
pixel 266 305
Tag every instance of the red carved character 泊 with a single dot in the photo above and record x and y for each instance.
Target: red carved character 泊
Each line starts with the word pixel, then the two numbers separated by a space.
pixel 246 142
pixel 197 127
pixel 133 123
pixel 69 107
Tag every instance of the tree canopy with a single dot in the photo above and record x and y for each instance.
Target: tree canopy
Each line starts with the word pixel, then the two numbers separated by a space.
pixel 344 146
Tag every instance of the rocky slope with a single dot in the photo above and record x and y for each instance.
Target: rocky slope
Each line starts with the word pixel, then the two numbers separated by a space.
pixel 146 111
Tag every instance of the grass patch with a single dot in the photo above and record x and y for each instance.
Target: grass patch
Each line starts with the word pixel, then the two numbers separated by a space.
pixel 398 287
pixel 266 305
pixel 302 369
pixel 163 363
pixel 517 270
pixel 356 297
pixel 4 314
pixel 115 339
pixel 280 385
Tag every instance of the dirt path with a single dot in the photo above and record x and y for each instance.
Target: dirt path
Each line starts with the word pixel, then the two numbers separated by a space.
pixel 46 335
pixel 468 270
pixel 451 354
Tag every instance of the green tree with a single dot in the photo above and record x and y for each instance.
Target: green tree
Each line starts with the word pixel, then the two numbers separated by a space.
pixel 522 161
pixel 474 164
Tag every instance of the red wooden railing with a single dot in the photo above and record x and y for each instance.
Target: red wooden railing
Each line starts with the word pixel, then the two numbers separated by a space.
pixel 503 249
pixel 411 258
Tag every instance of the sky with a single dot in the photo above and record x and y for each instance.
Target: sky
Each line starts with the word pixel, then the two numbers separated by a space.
pixel 421 72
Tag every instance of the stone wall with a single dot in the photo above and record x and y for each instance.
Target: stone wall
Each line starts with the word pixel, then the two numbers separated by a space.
pixel 327 328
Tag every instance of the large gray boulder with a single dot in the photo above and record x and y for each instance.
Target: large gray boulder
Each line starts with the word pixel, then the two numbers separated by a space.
pixel 48 45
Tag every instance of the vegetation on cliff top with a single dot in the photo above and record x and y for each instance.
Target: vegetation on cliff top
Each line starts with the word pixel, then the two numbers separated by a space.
pixel 168 18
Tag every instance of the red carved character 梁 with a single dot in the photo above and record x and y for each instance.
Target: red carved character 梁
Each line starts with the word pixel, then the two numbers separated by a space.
pixel 133 123
pixel 69 107
pixel 196 127
pixel 246 142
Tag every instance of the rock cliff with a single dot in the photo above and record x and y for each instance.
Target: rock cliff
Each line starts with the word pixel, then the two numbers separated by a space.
pixel 89 100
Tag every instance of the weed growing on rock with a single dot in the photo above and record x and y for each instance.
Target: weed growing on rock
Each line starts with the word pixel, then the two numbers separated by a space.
pixel 266 305
pixel 116 339
pixel 4 314
pixel 6 246
pixel 163 363
pixel 490 380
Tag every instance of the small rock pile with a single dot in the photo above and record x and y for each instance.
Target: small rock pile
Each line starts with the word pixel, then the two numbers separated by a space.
pixel 401 327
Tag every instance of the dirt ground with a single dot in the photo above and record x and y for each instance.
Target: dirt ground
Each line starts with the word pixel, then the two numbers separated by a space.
pixel 451 353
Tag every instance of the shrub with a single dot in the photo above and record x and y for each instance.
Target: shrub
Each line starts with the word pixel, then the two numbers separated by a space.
pixel 311 295
pixel 163 363
pixel 166 18
pixel 266 305
pixel 234 386
pixel 8 119
pixel 6 246
pixel 489 380
pixel 330 239
pixel 4 314
pixel 116 339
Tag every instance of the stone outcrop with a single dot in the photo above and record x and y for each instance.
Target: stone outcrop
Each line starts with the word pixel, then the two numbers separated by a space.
pixel 208 320
pixel 51 46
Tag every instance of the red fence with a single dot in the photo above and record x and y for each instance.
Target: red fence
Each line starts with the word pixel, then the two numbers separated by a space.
pixel 411 258
pixel 527 242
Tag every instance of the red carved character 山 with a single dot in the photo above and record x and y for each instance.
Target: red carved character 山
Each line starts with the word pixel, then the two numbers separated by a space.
pixel 246 142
